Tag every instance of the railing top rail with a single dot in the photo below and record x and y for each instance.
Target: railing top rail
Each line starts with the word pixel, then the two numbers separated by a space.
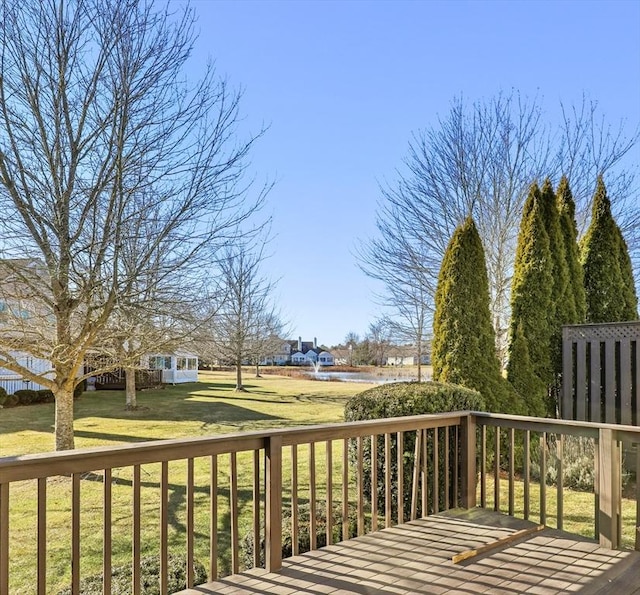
pixel 555 426
pixel 19 468
pixel 24 467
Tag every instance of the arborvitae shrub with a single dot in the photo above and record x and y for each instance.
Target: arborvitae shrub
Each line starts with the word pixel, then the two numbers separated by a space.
pixel 401 399
pixel 3 396
pixel 464 347
pixel 608 282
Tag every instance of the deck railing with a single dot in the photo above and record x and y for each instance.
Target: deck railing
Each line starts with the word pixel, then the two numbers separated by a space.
pixel 221 498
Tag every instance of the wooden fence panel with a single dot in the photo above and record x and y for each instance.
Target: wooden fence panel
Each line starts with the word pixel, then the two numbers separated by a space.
pixel 601 373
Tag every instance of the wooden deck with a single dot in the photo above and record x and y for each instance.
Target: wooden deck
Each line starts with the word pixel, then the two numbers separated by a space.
pixel 417 558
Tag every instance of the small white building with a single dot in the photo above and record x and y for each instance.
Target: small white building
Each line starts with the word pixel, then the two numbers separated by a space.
pixel 176 367
pixel 12 381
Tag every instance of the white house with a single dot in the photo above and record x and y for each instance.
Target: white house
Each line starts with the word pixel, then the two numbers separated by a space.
pixel 11 381
pixel 326 359
pixel 178 367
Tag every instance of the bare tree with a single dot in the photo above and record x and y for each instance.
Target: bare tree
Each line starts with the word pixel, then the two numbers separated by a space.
pixel 480 161
pixel 99 129
pixel 246 316
pixel 379 335
pixel 267 337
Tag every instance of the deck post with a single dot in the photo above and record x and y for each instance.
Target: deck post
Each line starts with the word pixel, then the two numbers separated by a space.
pixel 273 504
pixel 468 461
pixel 609 484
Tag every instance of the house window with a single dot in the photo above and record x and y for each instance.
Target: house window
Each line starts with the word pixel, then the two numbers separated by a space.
pixel 181 363
pixel 160 362
pixel 192 363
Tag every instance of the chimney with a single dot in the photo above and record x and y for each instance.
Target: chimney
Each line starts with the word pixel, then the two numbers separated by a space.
pixel 300 344
pixel 315 343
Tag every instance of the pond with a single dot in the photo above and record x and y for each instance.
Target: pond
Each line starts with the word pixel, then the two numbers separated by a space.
pixel 360 377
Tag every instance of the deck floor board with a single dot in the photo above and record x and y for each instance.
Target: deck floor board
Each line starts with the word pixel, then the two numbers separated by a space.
pixel 415 558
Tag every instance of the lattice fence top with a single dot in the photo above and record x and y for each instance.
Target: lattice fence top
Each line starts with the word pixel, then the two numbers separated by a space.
pixel 611 331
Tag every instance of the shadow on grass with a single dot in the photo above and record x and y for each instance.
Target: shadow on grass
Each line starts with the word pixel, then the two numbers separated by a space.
pixel 176 512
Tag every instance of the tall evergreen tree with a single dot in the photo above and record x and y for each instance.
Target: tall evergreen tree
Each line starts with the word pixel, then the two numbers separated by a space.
pixel 610 292
pixel 463 348
pixel 531 303
pixel 630 307
pixel 560 310
pixel 522 377
pixel 576 301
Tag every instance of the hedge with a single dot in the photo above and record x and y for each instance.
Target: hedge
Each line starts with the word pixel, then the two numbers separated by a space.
pixel 401 399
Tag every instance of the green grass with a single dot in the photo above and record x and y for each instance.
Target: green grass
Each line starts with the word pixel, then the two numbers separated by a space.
pixel 200 409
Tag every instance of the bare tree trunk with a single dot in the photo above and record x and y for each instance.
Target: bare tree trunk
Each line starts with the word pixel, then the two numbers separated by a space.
pixel 258 370
pixel 64 419
pixel 239 387
pixel 130 389
pixel 419 360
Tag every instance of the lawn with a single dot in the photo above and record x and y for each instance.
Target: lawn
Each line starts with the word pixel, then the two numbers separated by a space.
pixel 208 407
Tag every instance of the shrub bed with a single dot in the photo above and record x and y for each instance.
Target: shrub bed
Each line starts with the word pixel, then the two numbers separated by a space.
pixel 149 577
pixel 401 399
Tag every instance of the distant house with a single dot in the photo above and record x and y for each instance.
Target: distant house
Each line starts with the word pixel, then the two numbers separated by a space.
pixel 178 367
pixel 11 381
pixel 300 353
pixel 405 355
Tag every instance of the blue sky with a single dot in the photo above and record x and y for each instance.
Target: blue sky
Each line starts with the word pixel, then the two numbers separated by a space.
pixel 342 86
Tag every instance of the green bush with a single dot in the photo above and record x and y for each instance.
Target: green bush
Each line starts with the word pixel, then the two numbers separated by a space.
pixel 150 577
pixel 26 396
pixel 45 396
pixel 401 399
pixel 3 396
pixel 79 389
pixel 11 401
pixel 304 539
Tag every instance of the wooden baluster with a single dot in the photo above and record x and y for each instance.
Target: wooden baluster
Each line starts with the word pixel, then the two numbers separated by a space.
pixel 360 486
pixel 400 465
pixel 496 473
pixel 387 480
pixel 559 481
pixel 345 489
pixel 425 489
pixel 415 484
pixel 233 507
pixel 329 508
pixel 526 471
pixel 456 465
pixel 190 524
pixel 135 537
pixel 4 539
pixel 483 467
pixel 213 519
pixel 467 441
pixel 512 450
pixel 295 542
pixel 256 508
pixel 106 532
pixel 543 478
pixel 447 468
pixel 75 533
pixel 313 525
pixel 374 483
pixel 42 538
pixel 273 504
pixel 164 528
pixel 436 472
